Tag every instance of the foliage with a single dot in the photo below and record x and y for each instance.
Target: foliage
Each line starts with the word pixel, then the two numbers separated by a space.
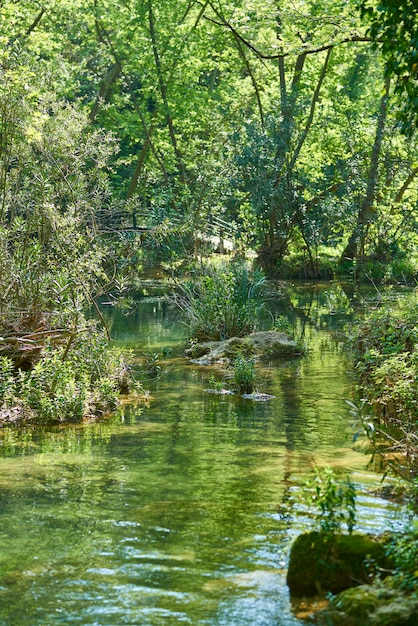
pixel 244 374
pixel 112 159
pixel 53 184
pixel 152 364
pixel 224 302
pixel 403 550
pixel 386 271
pixel 283 325
pixel 54 187
pixel 261 115
pixel 7 381
pixel 384 349
pixel 215 383
pixel 333 498
pixel 67 385
pixel 394 28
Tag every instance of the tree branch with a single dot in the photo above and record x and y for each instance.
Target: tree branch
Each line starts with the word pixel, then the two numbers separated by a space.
pixel 35 23
pixel 253 80
pixel 314 102
pixel 282 55
pixel 408 181
pixel 163 92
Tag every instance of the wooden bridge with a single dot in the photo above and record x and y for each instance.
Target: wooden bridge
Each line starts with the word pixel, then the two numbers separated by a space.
pixel 219 232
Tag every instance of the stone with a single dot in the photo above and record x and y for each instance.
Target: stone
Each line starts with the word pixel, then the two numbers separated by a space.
pixel 261 345
pixel 326 562
pixel 379 604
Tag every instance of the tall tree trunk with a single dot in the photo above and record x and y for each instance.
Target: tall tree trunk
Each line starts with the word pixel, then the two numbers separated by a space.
pixel 357 238
pixel 163 91
pixel 111 76
pixel 141 161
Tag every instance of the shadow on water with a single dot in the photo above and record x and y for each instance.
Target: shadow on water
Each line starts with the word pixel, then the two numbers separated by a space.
pixel 173 514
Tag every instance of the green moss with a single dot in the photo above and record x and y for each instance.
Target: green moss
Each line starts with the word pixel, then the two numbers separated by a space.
pixel 326 562
pixel 370 605
pixel 401 612
pixel 358 602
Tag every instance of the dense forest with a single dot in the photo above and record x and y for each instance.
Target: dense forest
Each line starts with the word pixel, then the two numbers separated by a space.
pixel 293 123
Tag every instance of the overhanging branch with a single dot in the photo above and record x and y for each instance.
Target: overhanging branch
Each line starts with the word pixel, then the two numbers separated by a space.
pixel 305 49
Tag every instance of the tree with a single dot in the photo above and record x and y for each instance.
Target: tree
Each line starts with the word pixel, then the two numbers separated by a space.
pixel 265 113
pixel 53 185
pixel 394 28
pixel 301 45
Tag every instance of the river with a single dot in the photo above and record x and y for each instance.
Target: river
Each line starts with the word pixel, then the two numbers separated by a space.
pixel 179 512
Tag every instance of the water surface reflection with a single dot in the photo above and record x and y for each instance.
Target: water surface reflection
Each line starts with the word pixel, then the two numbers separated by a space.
pixel 174 514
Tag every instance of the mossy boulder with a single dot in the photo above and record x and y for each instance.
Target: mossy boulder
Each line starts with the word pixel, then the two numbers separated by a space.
pixel 370 605
pixel 262 345
pixel 401 612
pixel 325 562
pixel 352 606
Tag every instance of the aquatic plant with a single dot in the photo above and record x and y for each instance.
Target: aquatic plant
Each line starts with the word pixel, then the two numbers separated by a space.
pixel 224 302
pixel 244 374
pixel 152 365
pixel 215 383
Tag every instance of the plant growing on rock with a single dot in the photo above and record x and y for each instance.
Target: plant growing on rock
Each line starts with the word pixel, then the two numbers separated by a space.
pixel 244 374
pixel 225 302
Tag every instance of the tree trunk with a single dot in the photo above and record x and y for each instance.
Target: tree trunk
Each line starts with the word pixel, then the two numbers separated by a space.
pixel 111 76
pixel 357 238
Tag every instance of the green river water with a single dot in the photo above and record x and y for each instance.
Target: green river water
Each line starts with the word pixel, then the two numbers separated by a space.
pixel 176 513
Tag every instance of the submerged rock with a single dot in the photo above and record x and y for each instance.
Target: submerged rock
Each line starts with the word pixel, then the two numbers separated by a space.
pixel 262 345
pixel 324 562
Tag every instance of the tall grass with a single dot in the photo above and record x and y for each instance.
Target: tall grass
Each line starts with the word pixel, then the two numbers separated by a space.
pixel 224 302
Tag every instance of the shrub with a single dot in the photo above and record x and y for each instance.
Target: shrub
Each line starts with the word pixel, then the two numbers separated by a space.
pixel 66 385
pixel 384 347
pixel 403 550
pixel 244 374
pixel 333 498
pixel 222 303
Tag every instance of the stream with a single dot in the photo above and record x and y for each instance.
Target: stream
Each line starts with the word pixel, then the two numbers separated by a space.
pixel 180 512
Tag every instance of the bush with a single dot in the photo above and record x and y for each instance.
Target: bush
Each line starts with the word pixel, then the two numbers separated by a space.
pixel 333 498
pixel 222 303
pixel 67 385
pixel 384 346
pixel 54 390
pixel 244 374
pixel 403 550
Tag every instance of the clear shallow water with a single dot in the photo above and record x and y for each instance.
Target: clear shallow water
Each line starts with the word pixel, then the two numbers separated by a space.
pixel 176 513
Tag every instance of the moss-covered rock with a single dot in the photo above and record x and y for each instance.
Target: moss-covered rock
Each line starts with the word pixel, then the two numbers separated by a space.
pixel 325 562
pixel 401 612
pixel 370 605
pixel 356 603
pixel 262 345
